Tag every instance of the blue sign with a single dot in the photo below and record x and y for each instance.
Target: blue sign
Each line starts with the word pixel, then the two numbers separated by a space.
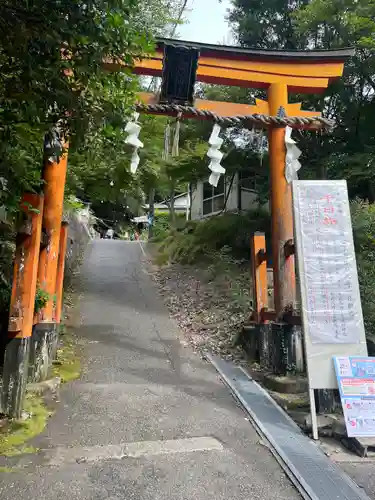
pixel 356 382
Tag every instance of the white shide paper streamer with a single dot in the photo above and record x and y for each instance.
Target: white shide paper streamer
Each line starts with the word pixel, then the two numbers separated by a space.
pixel 215 156
pixel 133 129
pixel 292 165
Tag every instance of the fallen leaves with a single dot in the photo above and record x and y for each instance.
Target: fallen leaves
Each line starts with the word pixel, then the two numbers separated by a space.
pixel 210 304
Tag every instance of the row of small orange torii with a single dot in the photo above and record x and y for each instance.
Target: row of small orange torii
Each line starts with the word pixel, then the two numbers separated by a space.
pixel 276 71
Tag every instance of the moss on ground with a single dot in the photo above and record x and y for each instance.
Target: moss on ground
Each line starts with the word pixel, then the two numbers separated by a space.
pixel 18 432
pixel 6 469
pixel 14 438
pixel 68 364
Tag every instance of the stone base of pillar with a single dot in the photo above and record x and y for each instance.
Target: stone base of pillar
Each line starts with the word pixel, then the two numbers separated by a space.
pixel 277 347
pixel 265 346
pixel 249 340
pixel 327 401
pixel 43 349
pixel 286 349
pixel 16 362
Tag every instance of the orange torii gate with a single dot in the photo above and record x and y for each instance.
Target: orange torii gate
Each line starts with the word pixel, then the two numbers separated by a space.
pixel 279 73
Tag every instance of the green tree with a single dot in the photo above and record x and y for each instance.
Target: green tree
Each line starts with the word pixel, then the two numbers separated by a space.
pixel 267 24
pixel 165 174
pixel 160 17
pixel 325 24
pixel 329 25
pixel 51 60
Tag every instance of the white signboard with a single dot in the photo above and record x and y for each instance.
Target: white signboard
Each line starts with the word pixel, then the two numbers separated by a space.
pixel 330 300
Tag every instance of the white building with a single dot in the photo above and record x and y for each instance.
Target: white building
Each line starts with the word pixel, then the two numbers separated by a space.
pixel 181 204
pixel 233 194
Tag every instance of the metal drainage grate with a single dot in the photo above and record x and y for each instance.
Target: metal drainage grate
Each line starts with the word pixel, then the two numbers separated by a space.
pixel 315 476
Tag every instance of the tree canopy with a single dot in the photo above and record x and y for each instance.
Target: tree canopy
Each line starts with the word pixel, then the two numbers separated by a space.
pixel 325 24
pixel 51 71
pixel 51 60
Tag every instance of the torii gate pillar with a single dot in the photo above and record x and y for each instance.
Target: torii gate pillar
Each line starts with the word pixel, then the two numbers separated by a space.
pixel 281 207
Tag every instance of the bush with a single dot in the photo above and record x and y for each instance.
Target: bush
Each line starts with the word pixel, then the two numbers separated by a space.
pixel 233 231
pixel 199 239
pixel 162 224
pixel 363 220
pixel 41 299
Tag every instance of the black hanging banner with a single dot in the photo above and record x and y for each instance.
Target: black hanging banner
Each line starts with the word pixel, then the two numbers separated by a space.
pixel 179 73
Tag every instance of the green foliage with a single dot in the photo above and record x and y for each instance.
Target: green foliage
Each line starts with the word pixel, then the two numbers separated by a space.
pixel 162 224
pixel 363 220
pixel 267 24
pixel 202 239
pixel 72 204
pixel 160 17
pixel 51 58
pixel 7 248
pixel 169 176
pixel 325 24
pixel 41 299
pixel 233 231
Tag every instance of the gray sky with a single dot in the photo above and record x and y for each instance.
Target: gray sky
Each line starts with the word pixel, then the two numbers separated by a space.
pixel 206 22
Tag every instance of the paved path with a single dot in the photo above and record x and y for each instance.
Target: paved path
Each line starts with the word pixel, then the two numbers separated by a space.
pixel 148 419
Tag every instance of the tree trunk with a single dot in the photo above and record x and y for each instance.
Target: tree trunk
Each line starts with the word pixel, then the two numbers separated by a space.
pixel 189 202
pixel 171 206
pixel 323 171
pixel 151 213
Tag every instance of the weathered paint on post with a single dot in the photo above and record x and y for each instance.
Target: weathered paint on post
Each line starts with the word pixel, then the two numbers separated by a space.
pixel 22 308
pixel 60 271
pixel 54 175
pixel 259 275
pixel 26 270
pixel 281 207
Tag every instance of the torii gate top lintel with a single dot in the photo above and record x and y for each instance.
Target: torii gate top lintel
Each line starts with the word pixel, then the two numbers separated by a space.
pixel 301 71
pixel 243 53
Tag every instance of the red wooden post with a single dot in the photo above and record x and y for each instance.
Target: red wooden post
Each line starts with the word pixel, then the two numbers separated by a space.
pixel 54 175
pixel 281 207
pixel 259 274
pixel 60 271
pixel 22 306
pixel 45 338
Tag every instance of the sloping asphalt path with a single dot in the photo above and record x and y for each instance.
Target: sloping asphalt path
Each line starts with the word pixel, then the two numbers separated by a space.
pixel 144 388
